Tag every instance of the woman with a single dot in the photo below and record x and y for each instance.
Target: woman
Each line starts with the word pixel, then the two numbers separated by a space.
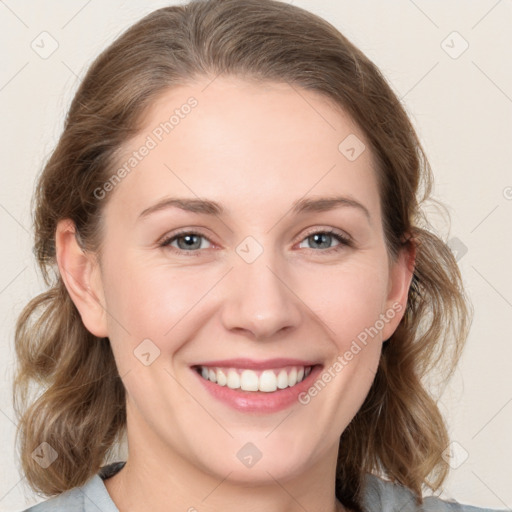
pixel 206 153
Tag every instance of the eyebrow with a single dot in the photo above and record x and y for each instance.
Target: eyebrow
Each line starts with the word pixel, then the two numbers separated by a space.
pixel 208 207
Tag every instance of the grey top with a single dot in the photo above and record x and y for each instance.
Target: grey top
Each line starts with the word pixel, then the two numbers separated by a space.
pixel 379 496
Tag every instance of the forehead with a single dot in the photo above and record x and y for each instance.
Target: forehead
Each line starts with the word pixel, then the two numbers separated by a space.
pixel 245 144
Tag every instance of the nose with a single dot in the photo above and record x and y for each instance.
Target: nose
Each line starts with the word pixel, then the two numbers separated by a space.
pixel 260 300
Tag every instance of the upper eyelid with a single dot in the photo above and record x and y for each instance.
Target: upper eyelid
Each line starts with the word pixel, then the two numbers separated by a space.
pixel 168 239
pixel 336 231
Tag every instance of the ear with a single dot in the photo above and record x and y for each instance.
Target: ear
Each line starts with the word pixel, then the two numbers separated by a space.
pixel 81 275
pixel 400 278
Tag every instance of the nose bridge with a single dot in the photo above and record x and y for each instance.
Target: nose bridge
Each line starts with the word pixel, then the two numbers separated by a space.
pixel 259 299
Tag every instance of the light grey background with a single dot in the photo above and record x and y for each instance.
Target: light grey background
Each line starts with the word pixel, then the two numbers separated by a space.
pixel 461 106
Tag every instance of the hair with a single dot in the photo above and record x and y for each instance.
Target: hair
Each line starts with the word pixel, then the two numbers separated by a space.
pixel 79 406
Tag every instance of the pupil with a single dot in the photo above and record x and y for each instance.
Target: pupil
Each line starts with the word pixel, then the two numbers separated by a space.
pixel 318 237
pixel 189 240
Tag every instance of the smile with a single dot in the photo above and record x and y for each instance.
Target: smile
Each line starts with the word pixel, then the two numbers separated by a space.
pixel 266 381
pixel 256 386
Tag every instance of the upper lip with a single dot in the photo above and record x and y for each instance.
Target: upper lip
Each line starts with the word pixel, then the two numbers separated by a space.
pixel 253 364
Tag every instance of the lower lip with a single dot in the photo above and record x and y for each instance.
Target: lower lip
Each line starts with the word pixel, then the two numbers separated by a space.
pixel 259 401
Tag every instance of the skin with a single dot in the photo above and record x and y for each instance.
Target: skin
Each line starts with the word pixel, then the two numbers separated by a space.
pixel 255 149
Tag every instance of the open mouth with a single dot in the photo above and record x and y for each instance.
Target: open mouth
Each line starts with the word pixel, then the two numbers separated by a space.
pixel 267 381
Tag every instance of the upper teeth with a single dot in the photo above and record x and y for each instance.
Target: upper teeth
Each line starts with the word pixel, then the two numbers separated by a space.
pixel 250 380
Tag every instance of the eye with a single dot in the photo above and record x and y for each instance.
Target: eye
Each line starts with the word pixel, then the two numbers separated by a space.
pixel 325 238
pixel 187 241
pixel 191 242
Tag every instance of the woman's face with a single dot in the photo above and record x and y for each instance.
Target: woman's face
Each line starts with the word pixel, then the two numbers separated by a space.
pixel 255 290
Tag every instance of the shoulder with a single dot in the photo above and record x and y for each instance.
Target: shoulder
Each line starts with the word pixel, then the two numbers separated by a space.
pixel 69 500
pixel 378 496
pixel 90 497
pixel 383 496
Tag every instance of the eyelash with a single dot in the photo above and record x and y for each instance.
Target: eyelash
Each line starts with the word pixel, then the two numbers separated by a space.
pixel 343 240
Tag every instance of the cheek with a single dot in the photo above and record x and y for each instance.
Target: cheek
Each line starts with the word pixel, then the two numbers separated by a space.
pixel 167 304
pixel 348 298
pixel 144 301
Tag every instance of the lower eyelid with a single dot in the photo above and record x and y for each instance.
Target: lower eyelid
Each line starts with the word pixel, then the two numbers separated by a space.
pixel 342 240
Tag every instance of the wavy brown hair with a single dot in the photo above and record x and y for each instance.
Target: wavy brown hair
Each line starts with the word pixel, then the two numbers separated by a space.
pixel 78 402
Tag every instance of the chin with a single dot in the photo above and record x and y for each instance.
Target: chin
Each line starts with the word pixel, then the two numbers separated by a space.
pixel 259 462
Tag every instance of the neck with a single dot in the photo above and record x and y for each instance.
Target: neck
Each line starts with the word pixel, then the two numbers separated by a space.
pixel 159 479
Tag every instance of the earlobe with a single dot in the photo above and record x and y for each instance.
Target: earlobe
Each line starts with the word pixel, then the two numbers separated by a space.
pixel 79 271
pixel 400 278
